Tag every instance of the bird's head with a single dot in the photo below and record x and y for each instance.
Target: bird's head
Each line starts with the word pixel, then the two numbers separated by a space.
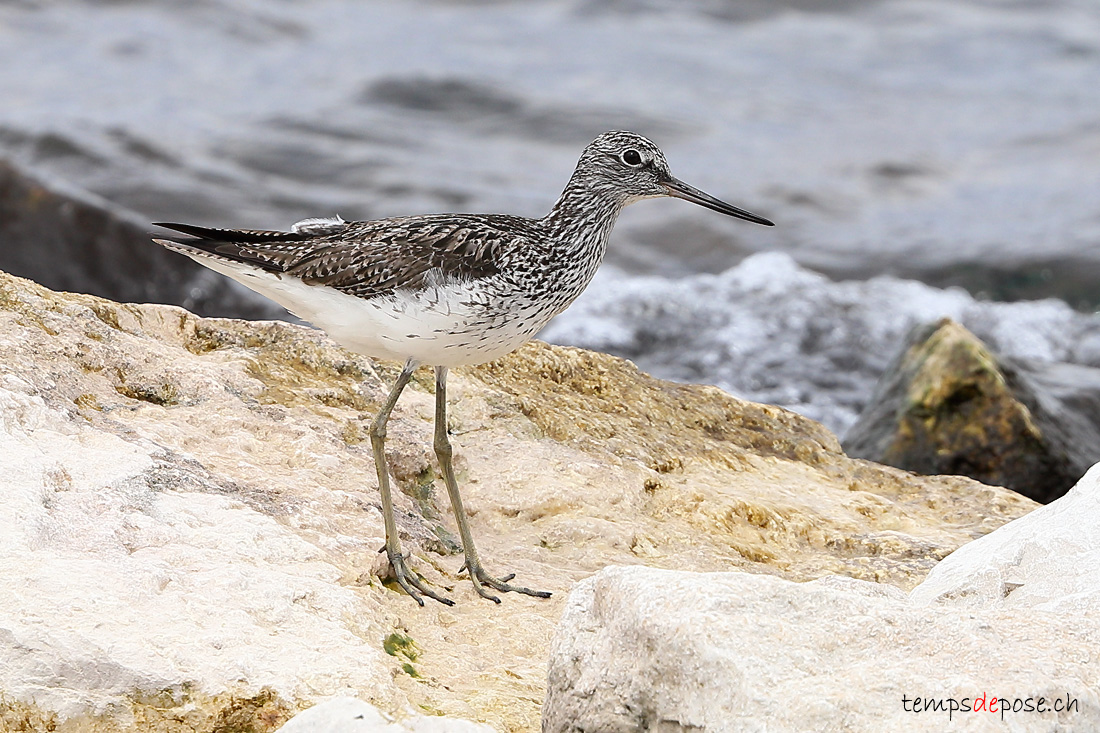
pixel 630 167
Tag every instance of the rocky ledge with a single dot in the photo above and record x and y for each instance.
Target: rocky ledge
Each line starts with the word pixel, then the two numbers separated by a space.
pixel 191 523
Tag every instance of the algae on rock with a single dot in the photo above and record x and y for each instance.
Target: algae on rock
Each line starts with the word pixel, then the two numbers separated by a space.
pixel 949 405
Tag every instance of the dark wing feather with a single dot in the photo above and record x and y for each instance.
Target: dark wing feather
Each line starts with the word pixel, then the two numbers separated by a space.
pixel 235 235
pixel 267 249
pixel 373 258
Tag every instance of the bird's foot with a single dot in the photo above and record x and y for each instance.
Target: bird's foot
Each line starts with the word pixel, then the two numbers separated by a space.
pixel 480 579
pixel 409 581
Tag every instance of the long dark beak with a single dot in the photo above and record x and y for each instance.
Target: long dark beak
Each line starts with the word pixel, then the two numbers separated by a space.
pixel 681 190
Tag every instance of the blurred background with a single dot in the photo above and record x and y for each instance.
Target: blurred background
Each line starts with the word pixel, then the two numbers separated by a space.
pixel 921 158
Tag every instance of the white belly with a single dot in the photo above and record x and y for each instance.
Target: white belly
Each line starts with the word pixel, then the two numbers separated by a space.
pixel 441 325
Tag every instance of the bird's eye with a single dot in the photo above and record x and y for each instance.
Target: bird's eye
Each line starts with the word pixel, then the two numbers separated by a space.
pixel 631 157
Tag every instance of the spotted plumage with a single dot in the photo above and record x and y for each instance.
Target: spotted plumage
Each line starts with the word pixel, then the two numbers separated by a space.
pixel 368 259
pixel 445 289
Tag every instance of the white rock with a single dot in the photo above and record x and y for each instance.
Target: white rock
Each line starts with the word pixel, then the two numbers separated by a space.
pixel 222 594
pixel 351 715
pixel 1047 560
pixel 645 649
pixel 339 715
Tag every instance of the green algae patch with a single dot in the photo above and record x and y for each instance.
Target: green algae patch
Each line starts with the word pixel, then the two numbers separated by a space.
pixel 402 646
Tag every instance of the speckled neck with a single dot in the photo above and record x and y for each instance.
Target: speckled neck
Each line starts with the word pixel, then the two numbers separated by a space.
pixel 583 216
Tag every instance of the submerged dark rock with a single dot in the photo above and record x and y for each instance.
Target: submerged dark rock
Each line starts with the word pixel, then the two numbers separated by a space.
pixel 68 239
pixel 949 405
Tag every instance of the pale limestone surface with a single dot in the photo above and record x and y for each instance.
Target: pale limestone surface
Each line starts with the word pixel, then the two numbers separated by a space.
pixel 191 524
pixel 1048 560
pixel 352 715
pixel 1013 615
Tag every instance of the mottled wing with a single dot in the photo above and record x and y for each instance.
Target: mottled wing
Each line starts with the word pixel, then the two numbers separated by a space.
pixel 378 257
pixel 372 258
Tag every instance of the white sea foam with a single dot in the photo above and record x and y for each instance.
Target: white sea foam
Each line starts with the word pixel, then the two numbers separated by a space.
pixel 772 331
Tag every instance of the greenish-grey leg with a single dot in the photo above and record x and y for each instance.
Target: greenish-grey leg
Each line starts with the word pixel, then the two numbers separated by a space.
pixel 478 576
pixel 405 578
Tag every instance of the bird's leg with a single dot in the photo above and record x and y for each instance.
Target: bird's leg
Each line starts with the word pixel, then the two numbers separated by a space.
pixel 405 578
pixel 478 576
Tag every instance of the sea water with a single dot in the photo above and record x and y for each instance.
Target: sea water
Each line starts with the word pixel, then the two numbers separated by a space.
pixel 902 147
